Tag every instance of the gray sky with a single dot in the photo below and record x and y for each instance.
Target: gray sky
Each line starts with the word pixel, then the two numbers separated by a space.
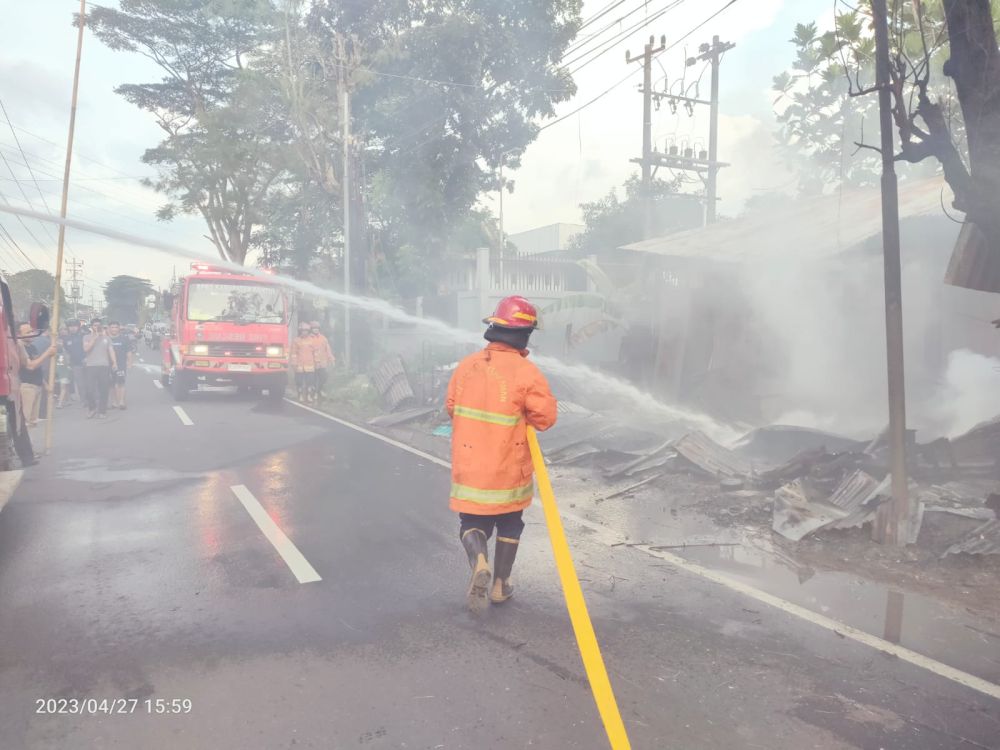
pixel 577 160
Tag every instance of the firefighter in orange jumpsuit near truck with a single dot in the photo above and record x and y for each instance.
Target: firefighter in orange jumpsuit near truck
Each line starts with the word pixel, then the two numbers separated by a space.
pixel 493 396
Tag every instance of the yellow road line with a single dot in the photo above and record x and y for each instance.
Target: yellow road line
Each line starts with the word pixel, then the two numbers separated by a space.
pixel 590 652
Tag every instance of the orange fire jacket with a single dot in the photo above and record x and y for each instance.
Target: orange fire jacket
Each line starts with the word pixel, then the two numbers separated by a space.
pixel 493 396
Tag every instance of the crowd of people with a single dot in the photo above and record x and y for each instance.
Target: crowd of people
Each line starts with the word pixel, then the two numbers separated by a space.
pixel 311 359
pixel 92 364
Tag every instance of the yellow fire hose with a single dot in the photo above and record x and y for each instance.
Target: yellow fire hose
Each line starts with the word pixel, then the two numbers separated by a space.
pixel 590 652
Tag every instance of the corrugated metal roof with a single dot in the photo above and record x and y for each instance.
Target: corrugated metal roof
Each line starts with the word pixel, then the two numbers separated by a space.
pixel 854 490
pixel 812 228
pixel 708 455
pixel 984 540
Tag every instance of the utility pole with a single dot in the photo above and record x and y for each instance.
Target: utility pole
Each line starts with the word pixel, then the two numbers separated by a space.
pixel 705 164
pixel 346 187
pixel 62 214
pixel 647 130
pixel 891 526
pixel 76 268
pixel 715 53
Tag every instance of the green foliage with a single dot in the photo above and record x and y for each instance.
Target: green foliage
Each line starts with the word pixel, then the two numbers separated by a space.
pixel 126 296
pixel 822 118
pixel 612 222
pixel 224 132
pixel 30 286
pixel 442 93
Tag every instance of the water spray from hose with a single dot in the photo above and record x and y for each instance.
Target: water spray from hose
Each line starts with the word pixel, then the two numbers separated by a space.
pixel 581 375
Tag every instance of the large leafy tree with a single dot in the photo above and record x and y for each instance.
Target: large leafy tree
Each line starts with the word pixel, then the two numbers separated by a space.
pixel 126 295
pixel 945 81
pixel 442 93
pixel 30 286
pixel 223 124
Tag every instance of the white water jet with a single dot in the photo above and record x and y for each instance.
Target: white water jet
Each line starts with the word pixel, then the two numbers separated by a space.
pixel 586 377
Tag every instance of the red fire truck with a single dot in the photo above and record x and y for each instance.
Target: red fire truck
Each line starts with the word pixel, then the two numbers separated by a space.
pixel 226 328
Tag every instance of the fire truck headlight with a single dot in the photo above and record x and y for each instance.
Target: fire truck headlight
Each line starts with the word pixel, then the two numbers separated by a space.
pixel 274 351
pixel 199 349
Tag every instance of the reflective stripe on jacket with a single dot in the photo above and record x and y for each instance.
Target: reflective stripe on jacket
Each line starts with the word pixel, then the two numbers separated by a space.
pixel 492 397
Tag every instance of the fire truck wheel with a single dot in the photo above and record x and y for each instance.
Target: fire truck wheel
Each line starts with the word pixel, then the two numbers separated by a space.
pixel 276 393
pixel 179 386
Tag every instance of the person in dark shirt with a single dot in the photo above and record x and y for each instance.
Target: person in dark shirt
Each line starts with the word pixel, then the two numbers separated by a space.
pixel 123 347
pixel 73 346
pixel 32 375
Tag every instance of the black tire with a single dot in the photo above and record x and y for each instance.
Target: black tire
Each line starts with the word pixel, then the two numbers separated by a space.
pixel 179 387
pixel 275 393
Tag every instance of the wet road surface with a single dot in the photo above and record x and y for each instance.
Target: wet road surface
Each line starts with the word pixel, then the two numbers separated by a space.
pixel 131 569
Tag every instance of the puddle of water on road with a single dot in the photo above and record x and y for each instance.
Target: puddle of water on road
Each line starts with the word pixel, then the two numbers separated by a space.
pixel 939 630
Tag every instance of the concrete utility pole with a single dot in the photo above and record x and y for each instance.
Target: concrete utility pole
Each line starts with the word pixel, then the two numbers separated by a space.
pixel 891 526
pixel 647 130
pixel 62 214
pixel 715 54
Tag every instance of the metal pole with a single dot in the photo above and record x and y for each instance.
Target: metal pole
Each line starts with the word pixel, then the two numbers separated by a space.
pixel 713 134
pixel 501 209
pixel 62 227
pixel 347 223
pixel 647 140
pixel 895 531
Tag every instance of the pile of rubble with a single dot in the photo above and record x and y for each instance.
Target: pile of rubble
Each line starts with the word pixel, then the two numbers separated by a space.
pixel 818 480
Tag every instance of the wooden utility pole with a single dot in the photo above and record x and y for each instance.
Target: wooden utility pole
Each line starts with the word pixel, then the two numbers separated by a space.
pixel 54 325
pixel 891 526
pixel 647 130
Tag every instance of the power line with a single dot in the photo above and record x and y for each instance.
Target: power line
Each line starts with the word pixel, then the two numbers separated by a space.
pixel 632 73
pixel 574 48
pixel 12 241
pixel 623 36
pixel 607 9
pixel 21 221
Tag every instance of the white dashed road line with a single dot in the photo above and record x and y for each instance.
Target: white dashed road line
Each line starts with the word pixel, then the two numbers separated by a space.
pixel 924 662
pixel 300 567
pixel 158 384
pixel 182 415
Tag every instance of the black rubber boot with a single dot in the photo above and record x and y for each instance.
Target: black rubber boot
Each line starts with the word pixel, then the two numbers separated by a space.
pixel 503 559
pixel 474 541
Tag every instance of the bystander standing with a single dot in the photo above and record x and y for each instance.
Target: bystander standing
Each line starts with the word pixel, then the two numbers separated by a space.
pixel 123 346
pixel 99 361
pixel 73 346
pixel 31 373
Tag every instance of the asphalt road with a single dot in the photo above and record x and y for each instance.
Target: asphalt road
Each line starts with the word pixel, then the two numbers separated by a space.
pixel 130 569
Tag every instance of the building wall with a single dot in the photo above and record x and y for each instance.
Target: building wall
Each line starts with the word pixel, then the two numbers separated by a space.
pixel 545 239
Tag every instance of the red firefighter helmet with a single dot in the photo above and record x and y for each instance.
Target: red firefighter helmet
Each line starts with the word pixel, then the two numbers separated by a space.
pixel 514 312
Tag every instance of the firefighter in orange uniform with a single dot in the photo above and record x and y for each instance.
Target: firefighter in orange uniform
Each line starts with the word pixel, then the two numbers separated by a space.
pixel 493 396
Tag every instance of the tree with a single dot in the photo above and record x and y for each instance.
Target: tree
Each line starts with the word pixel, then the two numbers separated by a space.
pixel 612 222
pixel 224 131
pixel 441 93
pixel 30 286
pixel 126 295
pixel 931 41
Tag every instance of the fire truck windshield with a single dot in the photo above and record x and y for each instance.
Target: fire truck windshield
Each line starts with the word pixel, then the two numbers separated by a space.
pixel 235 301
